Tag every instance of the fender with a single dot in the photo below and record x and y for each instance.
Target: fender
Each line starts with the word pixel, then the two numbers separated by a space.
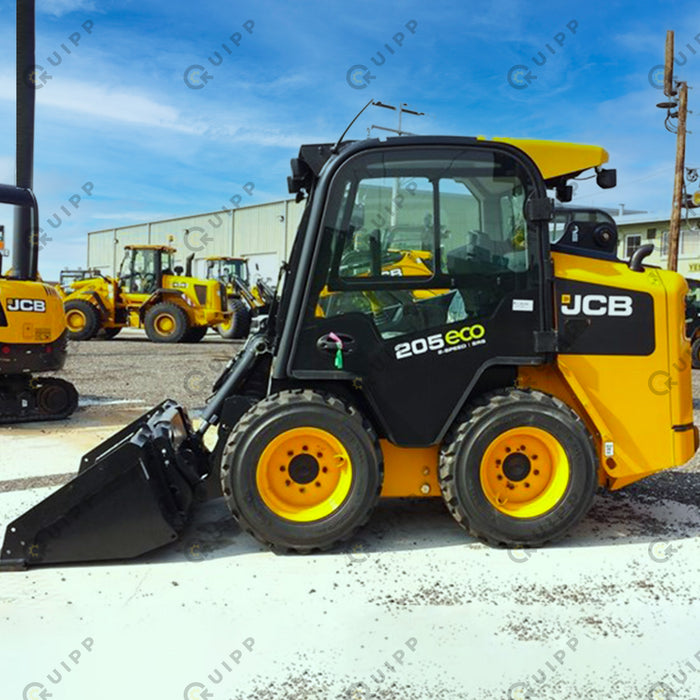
pixel 161 295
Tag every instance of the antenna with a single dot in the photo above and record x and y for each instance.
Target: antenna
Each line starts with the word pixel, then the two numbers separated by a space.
pixel 334 149
pixel 401 109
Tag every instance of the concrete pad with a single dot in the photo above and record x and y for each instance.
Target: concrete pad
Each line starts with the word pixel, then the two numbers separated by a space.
pixel 411 608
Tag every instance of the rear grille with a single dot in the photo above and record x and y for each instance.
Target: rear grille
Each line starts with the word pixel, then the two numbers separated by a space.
pixel 201 291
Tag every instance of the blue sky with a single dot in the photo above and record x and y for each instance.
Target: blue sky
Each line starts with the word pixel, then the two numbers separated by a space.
pixel 117 112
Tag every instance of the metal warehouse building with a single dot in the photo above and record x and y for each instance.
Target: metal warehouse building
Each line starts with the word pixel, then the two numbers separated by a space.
pixel 263 233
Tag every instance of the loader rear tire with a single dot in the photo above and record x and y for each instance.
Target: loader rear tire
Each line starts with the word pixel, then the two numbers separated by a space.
pixel 166 323
pixel 239 325
pixel 519 469
pixel 302 471
pixel 695 354
pixel 82 319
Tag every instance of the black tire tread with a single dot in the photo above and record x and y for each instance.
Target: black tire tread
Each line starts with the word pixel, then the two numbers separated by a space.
pixel 695 354
pixel 258 411
pixel 176 311
pixel 464 424
pixel 240 327
pixel 92 318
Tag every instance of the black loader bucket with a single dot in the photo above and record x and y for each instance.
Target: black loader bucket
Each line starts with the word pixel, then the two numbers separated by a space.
pixel 133 493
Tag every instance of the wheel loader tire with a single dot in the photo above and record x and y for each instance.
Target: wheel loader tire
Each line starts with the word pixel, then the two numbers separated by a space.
pixel 695 353
pixel 166 323
pixel 82 319
pixel 239 325
pixel 301 471
pixel 110 333
pixel 194 335
pixel 519 469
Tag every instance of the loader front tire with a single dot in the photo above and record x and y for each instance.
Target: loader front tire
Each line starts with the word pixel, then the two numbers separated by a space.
pixel 238 326
pixel 166 323
pixel 695 354
pixel 301 471
pixel 519 469
pixel 82 319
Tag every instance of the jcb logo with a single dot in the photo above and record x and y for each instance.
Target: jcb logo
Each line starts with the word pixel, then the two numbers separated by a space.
pixel 34 305
pixel 596 305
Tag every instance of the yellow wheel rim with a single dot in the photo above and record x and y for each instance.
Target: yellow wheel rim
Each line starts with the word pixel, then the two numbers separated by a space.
pixel 226 325
pixel 304 474
pixel 164 324
pixel 75 320
pixel 524 472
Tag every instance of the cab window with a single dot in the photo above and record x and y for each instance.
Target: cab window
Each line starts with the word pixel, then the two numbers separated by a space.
pixel 419 238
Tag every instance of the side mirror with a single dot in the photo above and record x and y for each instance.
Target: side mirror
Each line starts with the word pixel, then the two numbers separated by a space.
pixel 606 179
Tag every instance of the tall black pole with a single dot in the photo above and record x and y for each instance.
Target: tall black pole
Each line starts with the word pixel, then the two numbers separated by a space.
pixel 25 249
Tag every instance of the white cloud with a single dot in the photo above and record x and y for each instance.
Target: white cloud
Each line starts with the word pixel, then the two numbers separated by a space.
pixel 63 7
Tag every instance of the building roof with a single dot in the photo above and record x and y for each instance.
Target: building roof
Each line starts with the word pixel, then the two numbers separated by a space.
pixel 653 218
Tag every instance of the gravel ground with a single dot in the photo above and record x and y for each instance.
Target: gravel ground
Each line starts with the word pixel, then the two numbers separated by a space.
pixel 130 367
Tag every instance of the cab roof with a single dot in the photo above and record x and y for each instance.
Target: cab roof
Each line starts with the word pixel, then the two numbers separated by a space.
pixel 225 257
pixel 162 248
pixel 557 158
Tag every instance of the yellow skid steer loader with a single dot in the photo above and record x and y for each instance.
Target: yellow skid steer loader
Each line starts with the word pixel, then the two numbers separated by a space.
pixel 510 376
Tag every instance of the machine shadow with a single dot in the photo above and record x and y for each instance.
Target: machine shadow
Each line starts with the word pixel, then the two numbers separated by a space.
pixel 661 507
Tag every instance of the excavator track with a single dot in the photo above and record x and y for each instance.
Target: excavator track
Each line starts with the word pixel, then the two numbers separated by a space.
pixel 24 398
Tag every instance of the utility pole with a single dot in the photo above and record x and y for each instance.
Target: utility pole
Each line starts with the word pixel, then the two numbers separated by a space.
pixel 674 230
pixel 677 92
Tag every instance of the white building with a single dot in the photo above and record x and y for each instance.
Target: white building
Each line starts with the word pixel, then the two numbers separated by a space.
pixel 263 233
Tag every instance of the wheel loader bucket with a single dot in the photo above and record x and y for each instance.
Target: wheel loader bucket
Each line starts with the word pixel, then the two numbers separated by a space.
pixel 132 494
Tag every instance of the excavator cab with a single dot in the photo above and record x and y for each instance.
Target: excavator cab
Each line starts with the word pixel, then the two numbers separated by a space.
pixel 501 375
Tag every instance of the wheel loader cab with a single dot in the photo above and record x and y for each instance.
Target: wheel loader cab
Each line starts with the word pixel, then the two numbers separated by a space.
pixel 143 268
pixel 227 270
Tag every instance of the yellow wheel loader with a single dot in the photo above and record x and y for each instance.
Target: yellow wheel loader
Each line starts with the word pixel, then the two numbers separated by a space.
pixel 69 277
pixel 150 293
pixel 527 375
pixel 32 326
pixel 245 300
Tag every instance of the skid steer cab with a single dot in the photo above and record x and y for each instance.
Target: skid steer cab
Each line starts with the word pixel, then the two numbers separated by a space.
pixel 150 293
pixel 506 374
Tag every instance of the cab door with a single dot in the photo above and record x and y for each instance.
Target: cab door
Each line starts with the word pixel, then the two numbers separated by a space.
pixel 426 274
